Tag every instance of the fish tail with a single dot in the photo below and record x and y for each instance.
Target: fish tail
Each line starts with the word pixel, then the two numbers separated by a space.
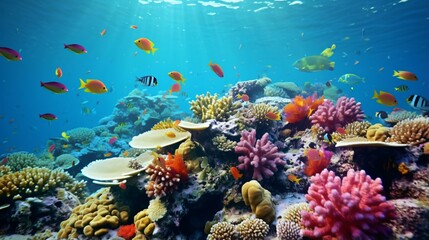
pixel 154 50
pixel 65 45
pixel 42 84
pixel 183 81
pixel 82 84
pixel 395 73
pixel 375 95
pixel 210 63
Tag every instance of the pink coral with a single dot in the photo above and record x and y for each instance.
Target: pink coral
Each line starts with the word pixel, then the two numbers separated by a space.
pixel 331 117
pixel 260 156
pixel 349 209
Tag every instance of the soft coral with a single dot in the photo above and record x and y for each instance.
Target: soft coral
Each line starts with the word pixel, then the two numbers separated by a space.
pixel 300 107
pixel 127 231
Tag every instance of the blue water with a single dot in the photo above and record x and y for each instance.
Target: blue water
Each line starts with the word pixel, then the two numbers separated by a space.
pixel 247 38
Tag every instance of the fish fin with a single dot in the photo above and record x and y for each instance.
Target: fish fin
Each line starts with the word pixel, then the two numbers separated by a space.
pixel 147 51
pixel 87 90
pixel 42 84
pixel 396 89
pixel 395 73
pixel 375 96
pixel 381 92
pixel 65 45
pixel 183 81
pixel 331 66
pixel 82 84
pixel 154 50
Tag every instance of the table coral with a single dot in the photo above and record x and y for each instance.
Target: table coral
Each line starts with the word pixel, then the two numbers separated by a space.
pixel 330 116
pixel 410 131
pixel 36 181
pixel 351 208
pixel 208 106
pixel 259 200
pixel 261 157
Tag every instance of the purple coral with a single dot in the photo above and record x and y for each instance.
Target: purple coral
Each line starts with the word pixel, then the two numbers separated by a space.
pixel 349 209
pixel 260 156
pixel 331 117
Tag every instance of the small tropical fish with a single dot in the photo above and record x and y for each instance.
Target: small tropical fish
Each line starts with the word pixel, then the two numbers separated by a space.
pixel 148 80
pixel 55 87
pixel 293 178
pixel 146 45
pixel 235 173
pixel 351 79
pixel 112 140
pixel 328 52
pixel 79 49
pixel 356 62
pixel 403 168
pixel 328 83
pixel 381 114
pixel 93 86
pixel 58 72
pixel 404 75
pixel 87 110
pixel 341 131
pixel 10 54
pixel 401 88
pixel 51 148
pixel 122 185
pixel 176 123
pixel 216 69
pixel 108 154
pixel 134 27
pixel 144 111
pixel 327 138
pixel 48 116
pixel 103 32
pixel 174 88
pixel 170 134
pixel 4 161
pixel 273 116
pixel 243 97
pixel 418 102
pixel 385 98
pixel 177 76
pixel 381 69
pixel 65 136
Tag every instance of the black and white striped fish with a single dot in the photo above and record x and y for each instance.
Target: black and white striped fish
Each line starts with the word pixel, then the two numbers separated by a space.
pixel 418 102
pixel 148 80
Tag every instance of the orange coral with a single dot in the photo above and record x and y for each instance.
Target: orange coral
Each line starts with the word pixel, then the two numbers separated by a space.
pixel 178 165
pixel 127 231
pixel 317 160
pixel 301 108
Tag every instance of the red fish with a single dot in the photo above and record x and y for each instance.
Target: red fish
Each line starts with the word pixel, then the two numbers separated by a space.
pixel 175 88
pixel 112 140
pixel 122 185
pixel 51 148
pixel 48 116
pixel 4 161
pixel 243 97
pixel 58 72
pixel 273 116
pixel 235 173
pixel 216 69
pixel 103 32
pixel 385 98
pixel 10 54
pixel 134 27
pixel 55 87
pixel 405 75
pixel 341 130
pixel 79 49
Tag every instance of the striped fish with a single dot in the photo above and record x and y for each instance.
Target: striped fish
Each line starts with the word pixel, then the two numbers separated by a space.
pixel 418 102
pixel 401 88
pixel 148 80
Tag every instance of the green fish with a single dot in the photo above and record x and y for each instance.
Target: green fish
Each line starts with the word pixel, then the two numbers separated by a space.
pixel 314 64
pixel 351 79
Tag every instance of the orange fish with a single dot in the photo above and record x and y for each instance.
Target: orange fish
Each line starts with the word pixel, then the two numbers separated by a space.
pixel 385 98
pixel 175 88
pixel 122 185
pixel 293 178
pixel 170 134
pixel 177 76
pixel 243 97
pixel 176 123
pixel 103 32
pixel 146 45
pixel 235 173
pixel 125 154
pixel 404 75
pixel 273 116
pixel 108 154
pixel 134 27
pixel 426 148
pixel 216 69
pixel 58 72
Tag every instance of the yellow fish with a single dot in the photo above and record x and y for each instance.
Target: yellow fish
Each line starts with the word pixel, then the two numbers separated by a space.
pixel 65 136
pixel 328 52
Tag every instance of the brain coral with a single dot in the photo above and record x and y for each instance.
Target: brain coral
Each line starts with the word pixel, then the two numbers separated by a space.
pixel 351 208
pixel 330 116
pixel 81 135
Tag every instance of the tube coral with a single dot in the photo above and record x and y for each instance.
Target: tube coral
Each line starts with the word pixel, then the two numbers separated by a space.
pixel 261 157
pixel 349 209
pixel 300 108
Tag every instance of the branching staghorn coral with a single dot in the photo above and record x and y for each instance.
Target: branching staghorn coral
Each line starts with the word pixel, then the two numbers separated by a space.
pixel 208 106
pixel 410 131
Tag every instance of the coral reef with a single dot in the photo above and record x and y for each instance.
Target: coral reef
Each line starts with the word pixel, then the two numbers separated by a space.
pixel 159 138
pixel 287 230
pixel 351 208
pixel 290 88
pixel 221 231
pixel 397 116
pixel 19 160
pixel 224 144
pixel 208 106
pixel 35 181
pixel 253 229
pixel 127 231
pixel 253 88
pixel 260 158
pixel 411 131
pixel 261 110
pixel 259 200
pixel 275 91
pixel 156 209
pixel 317 160
pixel 81 135
pixel 377 132
pixel 354 129
pixel 330 116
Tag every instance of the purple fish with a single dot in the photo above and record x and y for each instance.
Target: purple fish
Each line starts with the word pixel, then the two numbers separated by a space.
pixel 48 116
pixel 79 49
pixel 10 54
pixel 55 87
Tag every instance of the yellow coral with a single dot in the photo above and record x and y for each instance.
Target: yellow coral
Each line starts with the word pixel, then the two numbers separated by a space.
pixel 259 200
pixel 260 111
pixel 168 123
pixel 95 217
pixel 411 131
pixel 34 181
pixel 377 133
pixel 208 106
pixel 156 209
pixel 143 223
